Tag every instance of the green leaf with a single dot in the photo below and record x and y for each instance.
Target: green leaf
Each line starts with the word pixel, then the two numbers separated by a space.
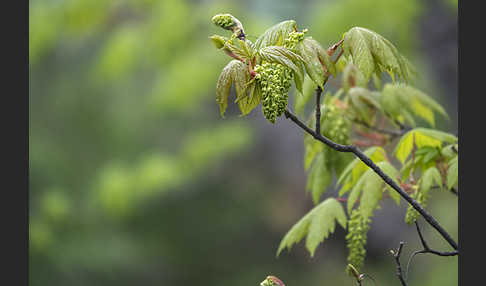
pixel 423 138
pixel 430 178
pixel 356 168
pixel 321 177
pixel 393 173
pixel 307 49
pixel 452 172
pixel 249 102
pixel 356 44
pixel 399 100
pixel 275 35
pixel 372 53
pixel 363 103
pixel 317 225
pixel 312 148
pixel 371 194
pixel 223 87
pixel 236 72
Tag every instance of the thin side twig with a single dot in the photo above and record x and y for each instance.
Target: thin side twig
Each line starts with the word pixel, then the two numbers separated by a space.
pixel 396 255
pixel 426 249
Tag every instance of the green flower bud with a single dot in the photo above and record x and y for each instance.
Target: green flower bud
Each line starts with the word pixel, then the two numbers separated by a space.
pixel 229 22
pixel 218 41
pixel 225 21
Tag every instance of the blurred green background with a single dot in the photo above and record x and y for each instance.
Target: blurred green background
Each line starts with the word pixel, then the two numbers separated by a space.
pixel 136 180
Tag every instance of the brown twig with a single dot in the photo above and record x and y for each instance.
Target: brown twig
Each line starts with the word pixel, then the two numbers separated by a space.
pixel 396 255
pixel 426 249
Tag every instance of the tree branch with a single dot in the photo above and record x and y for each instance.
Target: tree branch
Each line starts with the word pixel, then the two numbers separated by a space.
pixel 427 249
pixel 365 159
pixel 396 255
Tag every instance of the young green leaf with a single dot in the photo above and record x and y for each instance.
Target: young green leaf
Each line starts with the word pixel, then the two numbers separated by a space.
pixel 423 138
pixel 350 176
pixel 393 173
pixel 316 60
pixel 372 53
pixel 399 101
pixel 223 87
pixel 363 103
pixel 321 177
pixel 275 35
pixel 317 225
pixel 431 177
pixel 369 189
pixel 252 100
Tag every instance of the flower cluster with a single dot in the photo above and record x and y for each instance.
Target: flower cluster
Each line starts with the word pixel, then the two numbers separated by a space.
pixel 335 125
pixel 412 214
pixel 293 38
pixel 275 80
pixel 225 21
pixel 356 238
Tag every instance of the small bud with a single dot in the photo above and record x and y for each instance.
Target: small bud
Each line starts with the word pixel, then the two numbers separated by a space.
pixel 218 41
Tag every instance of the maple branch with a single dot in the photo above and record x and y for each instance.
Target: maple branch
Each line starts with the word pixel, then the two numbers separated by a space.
pixel 365 159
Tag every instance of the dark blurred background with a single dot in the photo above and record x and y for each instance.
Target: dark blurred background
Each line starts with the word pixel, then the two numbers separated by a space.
pixel 136 180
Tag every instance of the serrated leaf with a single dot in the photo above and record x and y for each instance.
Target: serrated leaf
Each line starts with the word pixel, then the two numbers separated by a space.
pixel 372 53
pixel 252 100
pixel 393 173
pixel 317 225
pixel 363 103
pixel 452 172
pixel 323 224
pixel 236 73
pixel 309 53
pixel 312 149
pixel 400 101
pixel 423 138
pixel 430 178
pixel 356 45
pixel 371 194
pixel 350 176
pixel 321 177
pixel 275 35
pixel 223 87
